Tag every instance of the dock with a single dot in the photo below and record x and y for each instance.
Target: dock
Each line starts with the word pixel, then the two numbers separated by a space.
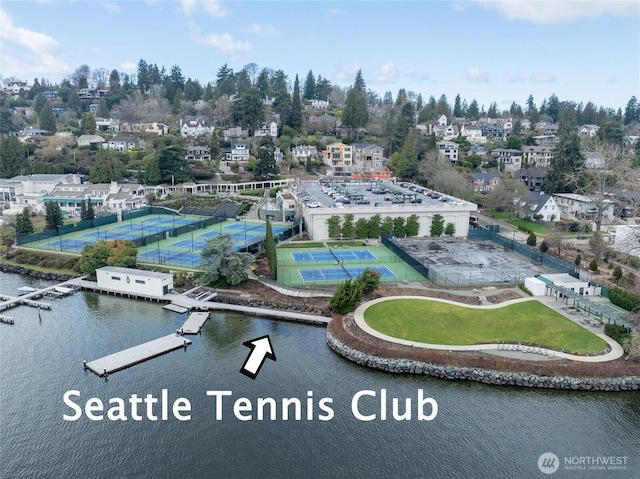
pixel 194 323
pixel 175 308
pixel 137 354
pixel 6 319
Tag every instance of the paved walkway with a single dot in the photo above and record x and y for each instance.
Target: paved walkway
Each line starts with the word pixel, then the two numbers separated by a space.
pixel 512 351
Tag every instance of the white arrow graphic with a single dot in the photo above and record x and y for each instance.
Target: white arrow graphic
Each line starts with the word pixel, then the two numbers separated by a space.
pixel 261 349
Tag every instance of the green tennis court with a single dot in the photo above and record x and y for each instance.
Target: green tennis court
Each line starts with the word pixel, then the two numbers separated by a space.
pixel 326 266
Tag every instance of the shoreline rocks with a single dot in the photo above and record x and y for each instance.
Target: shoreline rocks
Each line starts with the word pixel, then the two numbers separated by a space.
pixel 404 366
pixel 25 271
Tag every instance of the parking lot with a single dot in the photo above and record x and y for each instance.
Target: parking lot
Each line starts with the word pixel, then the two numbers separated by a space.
pixel 343 194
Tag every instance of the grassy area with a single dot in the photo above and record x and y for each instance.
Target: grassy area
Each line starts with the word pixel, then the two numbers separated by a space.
pixel 497 215
pixel 39 268
pixel 433 322
pixel 537 228
pixel 337 244
pixel 295 245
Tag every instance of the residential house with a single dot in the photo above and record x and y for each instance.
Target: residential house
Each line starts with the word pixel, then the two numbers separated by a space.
pixel 448 150
pixel 235 133
pixel 108 124
pixel 303 152
pixel 287 202
pixel 525 124
pixel 547 128
pixel 152 128
pixel 477 150
pixel 509 159
pixel 576 206
pixel 198 153
pixel 548 140
pixel 368 157
pixel 631 140
pixel 446 132
pixel 317 105
pixel 593 159
pixel 494 131
pixel 240 152
pixel 473 134
pixel 92 93
pixel 267 130
pixel 485 182
pixel 532 177
pixel 195 127
pixel 31 132
pixel 124 143
pixel 538 156
pixel 588 131
pixel 626 201
pixel 442 120
pixel 88 140
pixel 422 129
pixel 540 206
pixel 29 190
pixel 15 87
pixel 339 158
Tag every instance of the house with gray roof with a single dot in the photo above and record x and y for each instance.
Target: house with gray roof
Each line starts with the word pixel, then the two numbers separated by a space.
pixel 485 182
pixel 540 206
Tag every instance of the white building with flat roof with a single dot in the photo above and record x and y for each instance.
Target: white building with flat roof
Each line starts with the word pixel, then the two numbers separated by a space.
pixel 136 282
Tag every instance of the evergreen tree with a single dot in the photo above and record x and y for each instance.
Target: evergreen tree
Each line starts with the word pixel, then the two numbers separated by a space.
pixel 53 216
pixel 88 124
pixel 348 226
pixel 220 259
pixel 532 239
pixel 225 83
pixel 450 229
pixel 91 214
pixel 373 226
pixel 83 210
pixel 356 112
pixel 103 109
pixel 152 171
pixel 309 87
pixel 412 227
pixel 173 166
pixel 323 88
pixel 281 98
pixel 266 165
pixel 457 107
pixel 270 246
pixel 333 226
pixel 564 175
pixel 248 110
pixel 24 226
pixel 263 84
pixel 13 159
pixel 399 227
pixel 437 225
pixel 295 116
pixel 47 119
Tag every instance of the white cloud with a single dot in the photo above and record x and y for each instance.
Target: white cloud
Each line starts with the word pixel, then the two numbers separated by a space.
pixel 347 73
pixel 225 43
pixel 256 29
pixel 40 55
pixel 388 74
pixel 110 7
pixel 129 67
pixel 516 77
pixel 556 12
pixel 213 8
pixel 475 75
pixel 542 78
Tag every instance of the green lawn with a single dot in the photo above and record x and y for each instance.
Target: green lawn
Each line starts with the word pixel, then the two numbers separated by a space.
pixel 499 215
pixel 294 245
pixel 440 323
pixel 537 228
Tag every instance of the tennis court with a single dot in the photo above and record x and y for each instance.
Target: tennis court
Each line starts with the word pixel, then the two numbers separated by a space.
pixel 323 274
pixel 349 255
pixel 336 264
pixel 162 256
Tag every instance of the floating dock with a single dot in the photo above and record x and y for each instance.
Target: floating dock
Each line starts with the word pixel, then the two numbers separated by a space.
pixel 194 323
pixel 175 308
pixel 137 354
pixel 6 319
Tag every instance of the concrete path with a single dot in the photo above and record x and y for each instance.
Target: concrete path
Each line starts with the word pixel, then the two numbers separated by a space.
pixel 512 351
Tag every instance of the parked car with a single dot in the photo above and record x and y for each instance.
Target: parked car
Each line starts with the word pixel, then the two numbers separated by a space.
pixel 314 204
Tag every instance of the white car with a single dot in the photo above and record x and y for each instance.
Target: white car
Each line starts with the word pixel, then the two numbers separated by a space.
pixel 314 204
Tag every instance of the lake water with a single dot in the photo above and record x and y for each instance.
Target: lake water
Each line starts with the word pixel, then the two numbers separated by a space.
pixel 479 431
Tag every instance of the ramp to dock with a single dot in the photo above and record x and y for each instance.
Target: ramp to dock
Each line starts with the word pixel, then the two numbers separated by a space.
pixel 137 354
pixel 194 322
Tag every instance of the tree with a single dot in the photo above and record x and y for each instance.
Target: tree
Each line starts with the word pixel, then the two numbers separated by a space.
pixel 386 227
pixel 412 227
pixel 617 273
pixel 399 227
pixel 544 246
pixel 94 257
pixel 369 281
pixel 348 227
pixel 248 110
pixel 532 239
pixel 280 92
pixel 152 171
pixel 270 246
pixel 356 112
pixel 47 119
pixel 567 160
pixel 106 167
pixel 362 228
pixel 91 214
pixel 506 196
pixel 220 259
pixel 13 161
pixel 24 226
pixel 457 107
pixel 88 124
pixel 309 87
pixel 53 216
pixel 349 294
pixel 266 165
pixel 373 226
pixel 122 253
pixel 632 111
pixel 83 210
pixel 333 226
pixel 174 168
pixel 295 115
pixel 450 229
pixel 437 225
pixel 593 265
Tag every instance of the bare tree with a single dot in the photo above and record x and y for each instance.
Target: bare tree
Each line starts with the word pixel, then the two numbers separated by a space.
pixel 508 196
pixel 452 182
pixel 100 78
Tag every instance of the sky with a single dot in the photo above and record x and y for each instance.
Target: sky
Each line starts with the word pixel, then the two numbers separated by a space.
pixel 492 51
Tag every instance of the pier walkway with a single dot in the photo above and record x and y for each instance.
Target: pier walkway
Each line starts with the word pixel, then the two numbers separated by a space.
pixel 194 323
pixel 136 354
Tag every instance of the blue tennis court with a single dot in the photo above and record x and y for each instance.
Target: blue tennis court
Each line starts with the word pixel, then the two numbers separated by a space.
pixel 209 234
pixel 111 235
pixel 170 257
pixel 320 274
pixel 70 245
pixel 188 244
pixel 348 255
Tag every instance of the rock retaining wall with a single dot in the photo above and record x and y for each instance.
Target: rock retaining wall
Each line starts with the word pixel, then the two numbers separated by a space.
pixel 8 268
pixel 481 375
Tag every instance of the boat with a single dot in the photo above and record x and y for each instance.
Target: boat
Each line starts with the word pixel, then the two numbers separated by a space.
pixel 26 290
